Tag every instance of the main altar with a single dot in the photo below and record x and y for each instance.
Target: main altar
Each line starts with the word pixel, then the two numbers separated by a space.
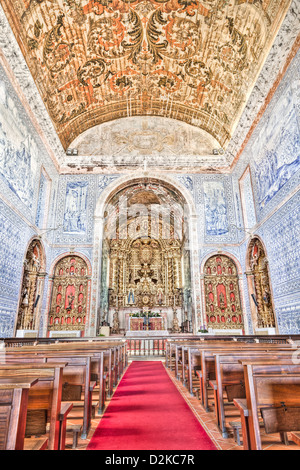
pixel 146 321
pixel 146 324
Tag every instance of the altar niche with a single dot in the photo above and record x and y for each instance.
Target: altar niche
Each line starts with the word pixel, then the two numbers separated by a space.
pixel 32 288
pixel 222 294
pixel 68 309
pixel 259 285
pixel 143 257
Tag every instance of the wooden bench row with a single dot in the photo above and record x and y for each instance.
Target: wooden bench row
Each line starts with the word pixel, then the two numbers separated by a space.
pixel 49 381
pixel 261 380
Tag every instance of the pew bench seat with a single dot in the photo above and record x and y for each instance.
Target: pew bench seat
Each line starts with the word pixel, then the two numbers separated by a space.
pixel 295 437
pixel 35 443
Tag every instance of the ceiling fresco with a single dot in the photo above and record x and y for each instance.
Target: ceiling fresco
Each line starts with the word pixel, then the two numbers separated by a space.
pixel 95 61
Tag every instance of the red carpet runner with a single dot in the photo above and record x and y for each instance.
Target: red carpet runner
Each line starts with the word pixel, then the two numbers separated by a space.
pixel 147 412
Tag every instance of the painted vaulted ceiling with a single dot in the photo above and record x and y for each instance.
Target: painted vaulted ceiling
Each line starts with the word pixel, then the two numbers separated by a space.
pixel 195 61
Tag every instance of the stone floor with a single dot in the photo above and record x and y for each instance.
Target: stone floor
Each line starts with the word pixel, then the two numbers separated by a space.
pixel 207 420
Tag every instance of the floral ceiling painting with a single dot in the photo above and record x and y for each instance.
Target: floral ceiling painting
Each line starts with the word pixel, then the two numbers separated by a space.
pixel 95 61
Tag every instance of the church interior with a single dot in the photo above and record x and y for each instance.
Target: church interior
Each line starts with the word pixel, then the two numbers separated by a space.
pixel 149 223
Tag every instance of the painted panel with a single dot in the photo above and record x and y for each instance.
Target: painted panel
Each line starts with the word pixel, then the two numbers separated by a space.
pixel 18 150
pixel 275 149
pixel 75 207
pixel 13 238
pixel 215 208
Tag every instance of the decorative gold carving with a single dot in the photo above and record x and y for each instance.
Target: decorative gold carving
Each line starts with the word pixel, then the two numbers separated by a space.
pixel 259 270
pixel 116 323
pixel 222 295
pixel 69 295
pixel 176 327
pixel 145 276
pixel 145 249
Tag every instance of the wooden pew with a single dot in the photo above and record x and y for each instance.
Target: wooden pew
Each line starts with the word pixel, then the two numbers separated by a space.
pixel 182 351
pixel 177 341
pixel 112 364
pixel 172 344
pixel 203 359
pixel 180 355
pixel 109 371
pixel 44 399
pixel 77 373
pixel 272 390
pixel 76 382
pixel 193 362
pixel 229 374
pixel 108 358
pixel 13 410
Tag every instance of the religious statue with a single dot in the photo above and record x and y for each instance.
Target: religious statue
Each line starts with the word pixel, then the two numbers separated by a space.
pixel 25 297
pixel 70 300
pixel 159 296
pixel 176 327
pixel 131 296
pixel 222 300
pixel 255 254
pixel 116 323
pixel 267 297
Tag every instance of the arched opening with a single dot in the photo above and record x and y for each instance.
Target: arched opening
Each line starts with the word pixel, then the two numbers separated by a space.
pixel 70 292
pixel 259 286
pixel 144 244
pixel 222 294
pixel 32 288
pixel 145 229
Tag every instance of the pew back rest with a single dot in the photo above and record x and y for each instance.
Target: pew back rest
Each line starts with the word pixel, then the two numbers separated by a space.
pixel 229 367
pixel 274 384
pixel 41 405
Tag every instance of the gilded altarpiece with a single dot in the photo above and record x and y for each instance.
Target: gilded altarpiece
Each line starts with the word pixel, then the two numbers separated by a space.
pixel 222 294
pixel 69 295
pixel 31 291
pixel 145 232
pixel 259 286
pixel 145 273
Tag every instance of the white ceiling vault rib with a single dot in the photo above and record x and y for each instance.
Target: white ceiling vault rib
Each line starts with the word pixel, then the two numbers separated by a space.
pixel 155 81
